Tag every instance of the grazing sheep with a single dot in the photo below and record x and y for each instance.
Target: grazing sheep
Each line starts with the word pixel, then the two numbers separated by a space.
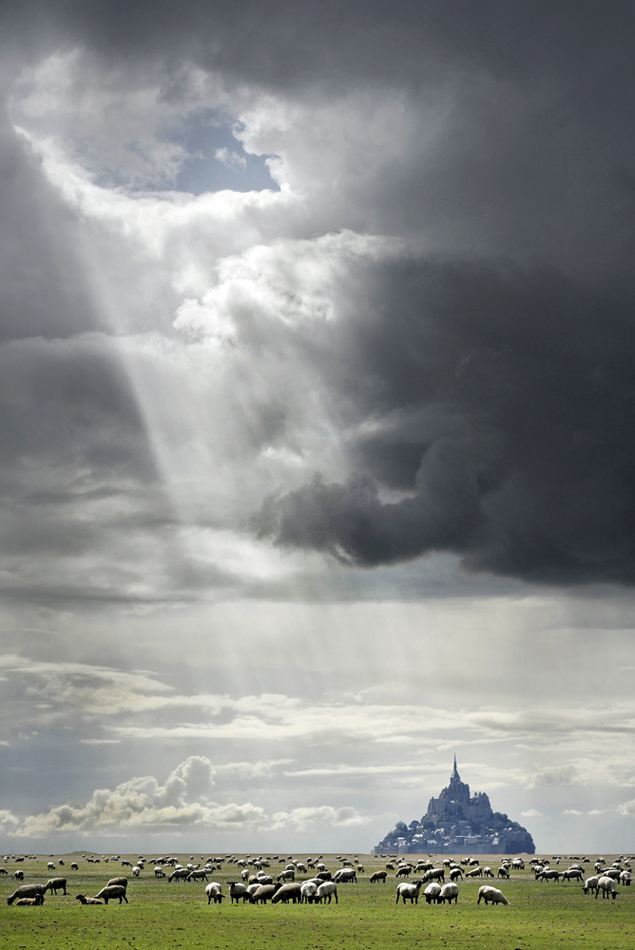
pixel 409 892
pixel 112 892
pixel 214 892
pixel 326 891
pixel 287 875
pixel 264 893
pixel 50 866
pixel 608 887
pixel 503 872
pixel 548 874
pixel 572 874
pixel 89 900
pixel 56 884
pixel 432 893
pixel 487 872
pixel 3 871
pixel 591 884
pixel 475 872
pixel 435 874
pixel 198 875
pixel 324 875
pixel 74 866
pixel 158 871
pixel 308 891
pixel 19 874
pixel 179 874
pixel 404 870
pixel 237 892
pixel 117 881
pixel 27 890
pixel 449 893
pixel 346 876
pixel 456 873
pixel 625 878
pixel 30 901
pixel 491 895
pixel 286 893
pixel 378 876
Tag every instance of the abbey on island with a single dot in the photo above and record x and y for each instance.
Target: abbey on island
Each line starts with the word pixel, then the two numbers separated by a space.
pixel 458 821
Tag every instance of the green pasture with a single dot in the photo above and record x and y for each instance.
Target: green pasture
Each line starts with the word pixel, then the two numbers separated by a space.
pixel 164 916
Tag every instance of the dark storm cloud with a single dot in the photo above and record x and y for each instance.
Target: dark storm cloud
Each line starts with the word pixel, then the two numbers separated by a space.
pixel 501 401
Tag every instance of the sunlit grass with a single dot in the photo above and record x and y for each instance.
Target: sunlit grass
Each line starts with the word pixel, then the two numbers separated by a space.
pixel 164 916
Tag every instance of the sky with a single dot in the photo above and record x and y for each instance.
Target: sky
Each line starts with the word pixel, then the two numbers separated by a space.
pixel 317 422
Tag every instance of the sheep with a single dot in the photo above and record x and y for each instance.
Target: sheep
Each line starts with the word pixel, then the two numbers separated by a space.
pixel 456 873
pixel 237 892
pixel 548 874
pixel 19 874
pixel 29 901
pixel 286 893
pixel 487 872
pixel 111 892
pixel 308 891
pixel 449 893
pixel 287 875
pixel 56 884
pixel 475 872
pixel 611 872
pixel 378 876
pixel 264 893
pixel 491 895
pixel 50 866
pixel 263 878
pixel 572 874
pixel 409 892
pixel 214 892
pixel 136 870
pixel 27 890
pixel 74 866
pixel 117 881
pixel 326 891
pixel 432 893
pixel 345 876
pixel 89 900
pixel 608 887
pixel 197 875
pixel 591 884
pixel 324 875
pixel 625 878
pixel 503 872
pixel 179 874
pixel 404 870
pixel 434 874
pixel 158 871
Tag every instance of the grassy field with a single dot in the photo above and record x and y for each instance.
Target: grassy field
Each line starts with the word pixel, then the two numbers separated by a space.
pixel 162 915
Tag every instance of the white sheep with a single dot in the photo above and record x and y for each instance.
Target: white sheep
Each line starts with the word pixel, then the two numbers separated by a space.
pixel 326 891
pixel 237 892
pixel 475 872
pixel 308 891
pixel 214 892
pixel 19 874
pixel 491 895
pixel 112 892
pixel 89 900
pixel 432 893
pixel 572 874
pixel 487 872
pixel 409 891
pixel 56 884
pixel 434 874
pixel 449 893
pixel 29 901
pixel 591 884
pixel 625 878
pixel 608 887
pixel 50 866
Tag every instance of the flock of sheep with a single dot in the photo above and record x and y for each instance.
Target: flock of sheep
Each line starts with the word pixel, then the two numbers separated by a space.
pixel 255 884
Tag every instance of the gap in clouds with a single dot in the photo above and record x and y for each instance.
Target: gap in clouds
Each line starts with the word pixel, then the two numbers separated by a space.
pixel 216 159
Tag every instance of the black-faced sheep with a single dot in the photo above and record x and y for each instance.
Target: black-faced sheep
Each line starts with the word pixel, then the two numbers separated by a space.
pixel 27 890
pixel 56 884
pixel 286 893
pixel 491 895
pixel 214 892
pixel 113 892
pixel 432 893
pixel 409 892
pixel 608 887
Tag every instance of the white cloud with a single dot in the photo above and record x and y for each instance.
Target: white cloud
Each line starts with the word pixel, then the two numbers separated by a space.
pixel 311 818
pixel 532 813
